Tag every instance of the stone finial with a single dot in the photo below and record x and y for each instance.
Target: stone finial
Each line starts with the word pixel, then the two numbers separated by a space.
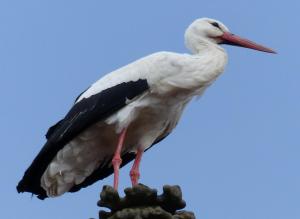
pixel 142 202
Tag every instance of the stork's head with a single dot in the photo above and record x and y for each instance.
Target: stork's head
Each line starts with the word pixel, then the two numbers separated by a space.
pixel 205 31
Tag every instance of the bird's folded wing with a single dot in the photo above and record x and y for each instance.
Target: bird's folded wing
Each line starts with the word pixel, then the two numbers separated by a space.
pixel 82 115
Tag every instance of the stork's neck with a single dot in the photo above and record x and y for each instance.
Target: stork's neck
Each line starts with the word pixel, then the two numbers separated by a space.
pixel 200 44
pixel 210 60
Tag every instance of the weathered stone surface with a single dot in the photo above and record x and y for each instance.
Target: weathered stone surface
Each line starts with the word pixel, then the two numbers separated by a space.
pixel 142 202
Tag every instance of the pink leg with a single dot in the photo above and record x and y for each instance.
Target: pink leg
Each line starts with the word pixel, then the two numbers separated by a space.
pixel 116 161
pixel 134 172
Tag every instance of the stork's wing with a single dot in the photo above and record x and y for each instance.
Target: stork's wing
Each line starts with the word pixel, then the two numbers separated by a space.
pixel 83 114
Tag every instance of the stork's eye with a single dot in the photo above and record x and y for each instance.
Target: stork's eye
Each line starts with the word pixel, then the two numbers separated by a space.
pixel 215 24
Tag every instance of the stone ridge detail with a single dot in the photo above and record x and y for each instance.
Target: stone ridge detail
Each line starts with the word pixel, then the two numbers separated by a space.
pixel 142 202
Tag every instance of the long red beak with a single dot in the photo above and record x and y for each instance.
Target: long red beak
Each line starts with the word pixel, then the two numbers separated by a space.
pixel 231 39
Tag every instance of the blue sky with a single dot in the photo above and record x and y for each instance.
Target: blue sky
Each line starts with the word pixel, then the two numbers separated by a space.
pixel 236 150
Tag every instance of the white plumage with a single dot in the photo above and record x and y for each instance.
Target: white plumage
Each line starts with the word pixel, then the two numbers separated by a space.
pixel 173 80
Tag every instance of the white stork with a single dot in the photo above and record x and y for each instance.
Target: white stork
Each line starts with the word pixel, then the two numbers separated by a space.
pixel 127 111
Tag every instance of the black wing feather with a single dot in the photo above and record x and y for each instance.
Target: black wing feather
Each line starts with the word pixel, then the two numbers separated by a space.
pixel 82 115
pixel 53 128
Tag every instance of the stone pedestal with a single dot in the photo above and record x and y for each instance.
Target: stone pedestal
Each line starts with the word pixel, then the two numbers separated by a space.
pixel 142 202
